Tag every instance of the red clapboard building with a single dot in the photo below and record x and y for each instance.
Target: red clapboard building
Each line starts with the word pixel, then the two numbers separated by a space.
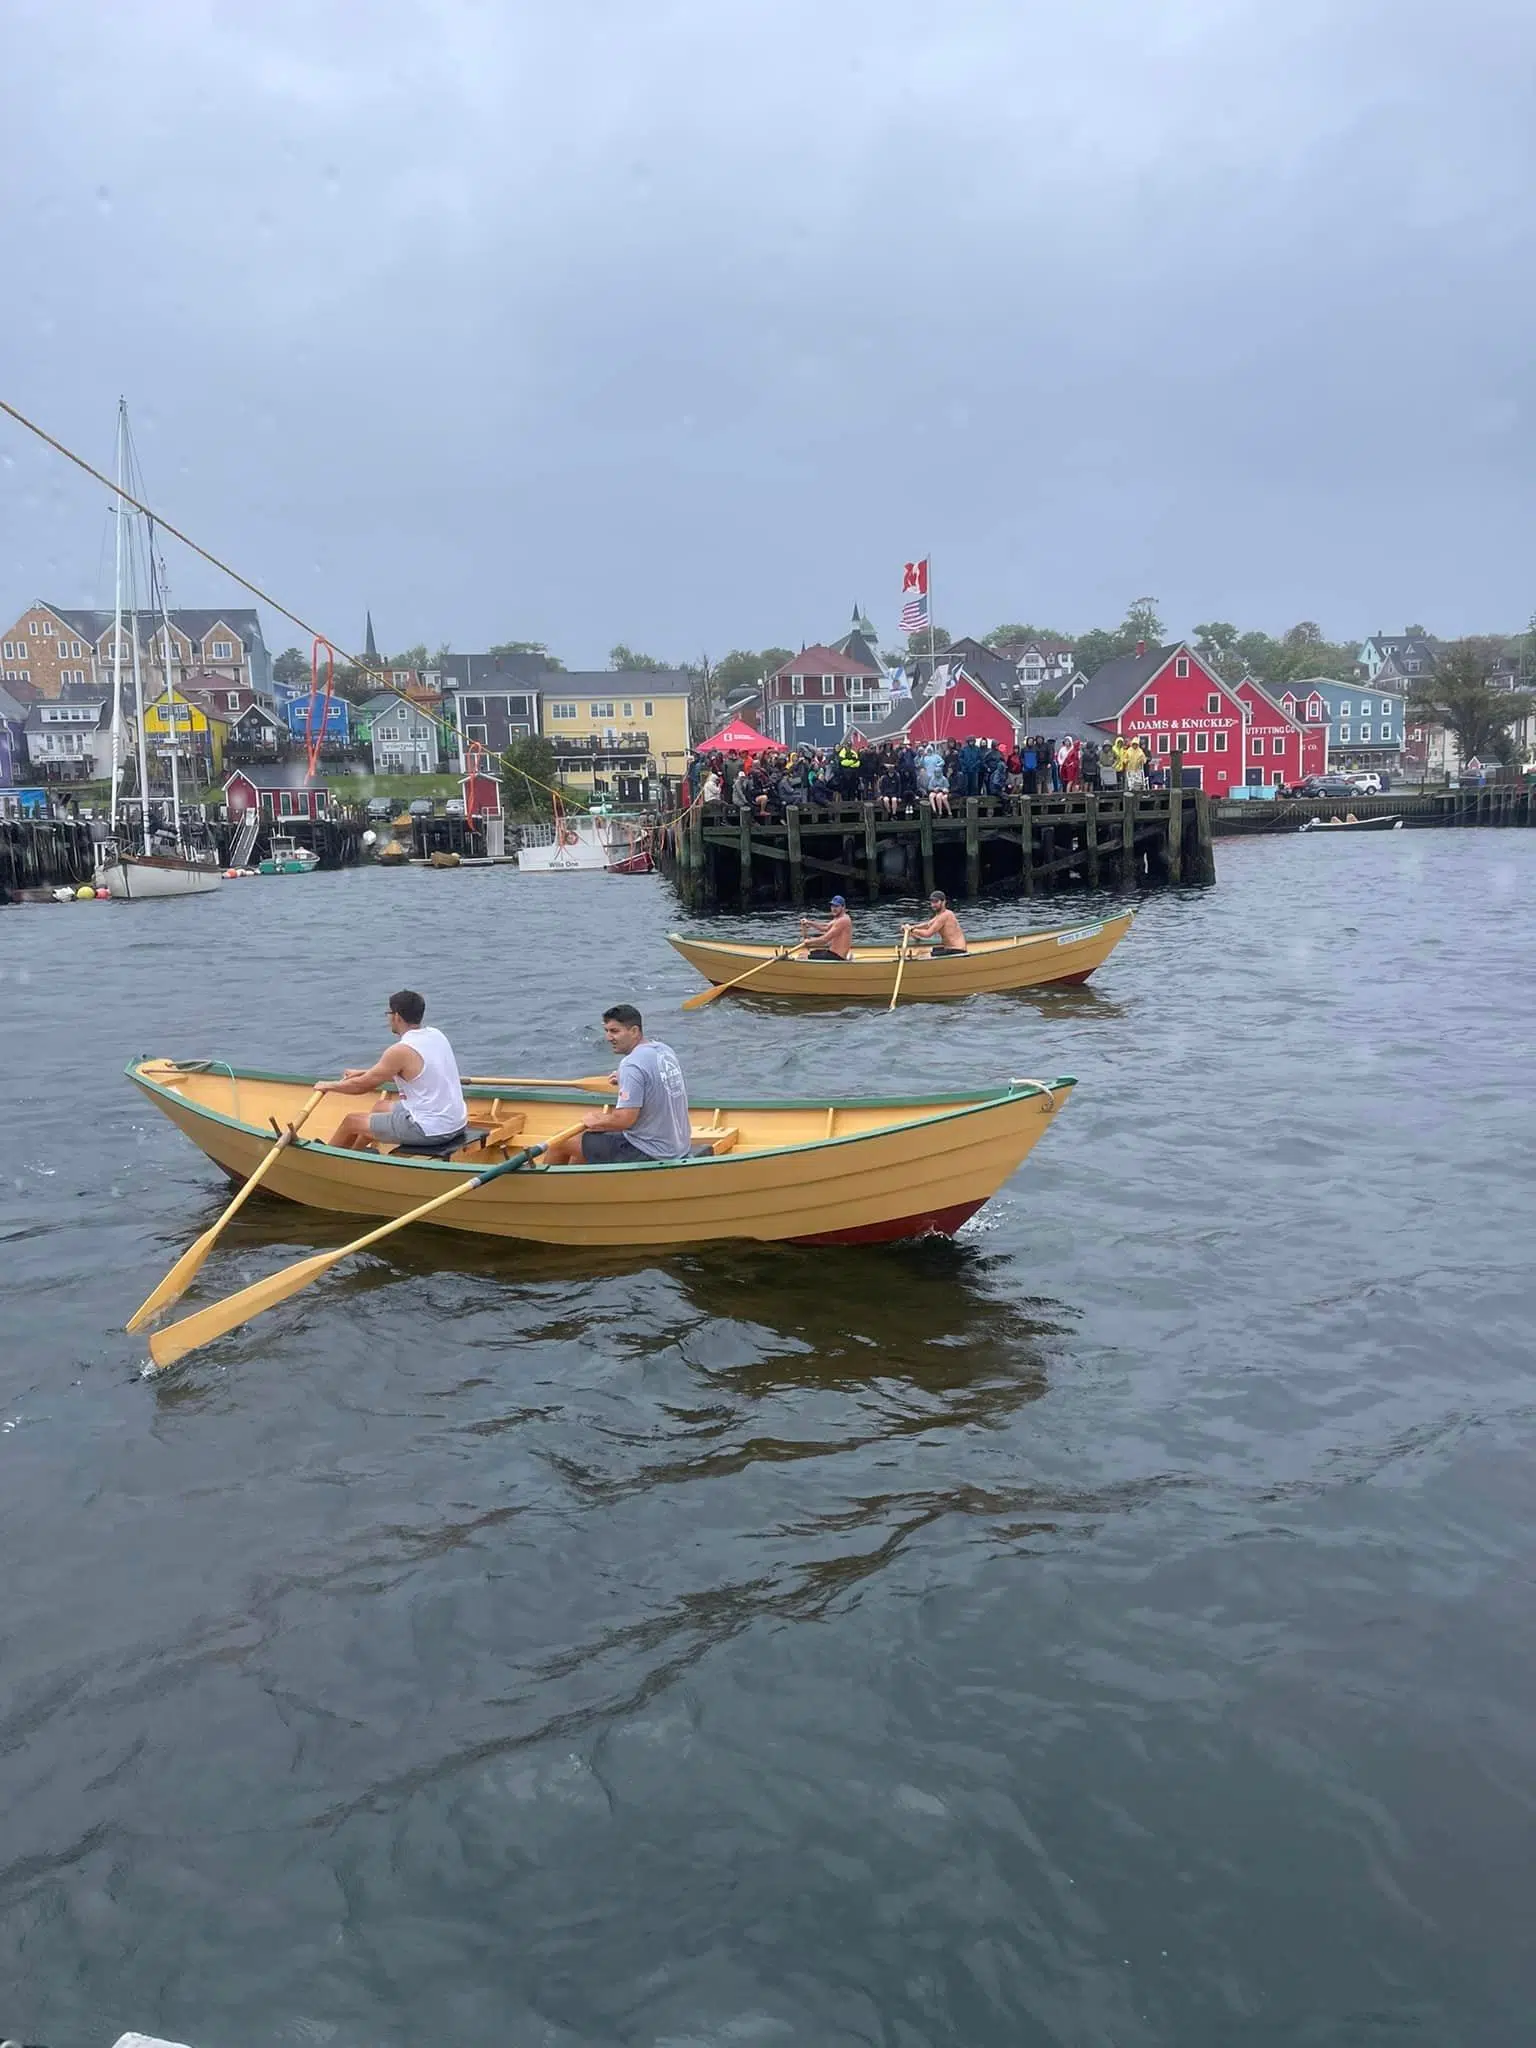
pixel 1168 698
pixel 958 709
pixel 1311 713
pixel 1275 744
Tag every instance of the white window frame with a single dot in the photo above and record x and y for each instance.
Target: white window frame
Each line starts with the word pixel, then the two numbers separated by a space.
pixel 1218 743
pixel 1202 742
pixel 223 650
pixel 1212 704
pixel 959 707
pixel 1181 666
pixel 565 713
pixel 829 686
pixel 1343 735
pixel 649 709
pixel 1165 743
pixel 1149 706
pixel 797 686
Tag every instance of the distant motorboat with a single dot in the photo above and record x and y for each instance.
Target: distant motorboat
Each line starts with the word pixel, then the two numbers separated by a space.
pixel 287 857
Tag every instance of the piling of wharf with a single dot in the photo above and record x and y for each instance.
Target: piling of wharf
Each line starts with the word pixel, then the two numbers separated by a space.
pixel 714 855
pixel 38 852
pixel 1500 803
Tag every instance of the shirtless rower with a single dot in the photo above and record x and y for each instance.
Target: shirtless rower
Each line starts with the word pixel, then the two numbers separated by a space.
pixel 943 928
pixel 831 941
pixel 426 1076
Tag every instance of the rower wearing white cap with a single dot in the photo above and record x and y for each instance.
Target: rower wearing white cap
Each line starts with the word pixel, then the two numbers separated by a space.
pixel 832 940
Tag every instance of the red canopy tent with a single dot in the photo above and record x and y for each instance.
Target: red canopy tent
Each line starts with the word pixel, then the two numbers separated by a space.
pixel 736 738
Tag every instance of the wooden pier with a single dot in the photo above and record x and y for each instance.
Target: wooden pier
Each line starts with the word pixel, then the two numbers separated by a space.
pixel 1017 844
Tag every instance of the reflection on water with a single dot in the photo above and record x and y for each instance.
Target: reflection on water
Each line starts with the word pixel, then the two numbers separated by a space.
pixel 1041 1637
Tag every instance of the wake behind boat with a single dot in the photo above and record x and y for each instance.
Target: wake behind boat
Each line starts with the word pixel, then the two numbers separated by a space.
pixel 1063 954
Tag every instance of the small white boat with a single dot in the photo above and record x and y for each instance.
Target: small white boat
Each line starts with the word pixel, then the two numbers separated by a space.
pixel 1352 825
pixel 138 877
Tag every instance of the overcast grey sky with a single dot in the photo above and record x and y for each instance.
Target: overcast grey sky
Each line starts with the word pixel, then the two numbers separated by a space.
pixel 685 321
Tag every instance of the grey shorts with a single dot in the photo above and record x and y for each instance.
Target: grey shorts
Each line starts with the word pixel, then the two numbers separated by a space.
pixel 397 1127
pixel 612 1148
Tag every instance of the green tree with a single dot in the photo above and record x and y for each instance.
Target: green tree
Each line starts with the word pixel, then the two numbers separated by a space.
pixel 1044 704
pixel 1141 622
pixel 918 644
pixel 1216 645
pixel 626 658
pixel 1092 649
pixel 1458 696
pixel 741 669
pixel 413 657
pixel 528 771
pixel 535 647
pixel 293 667
pixel 1003 636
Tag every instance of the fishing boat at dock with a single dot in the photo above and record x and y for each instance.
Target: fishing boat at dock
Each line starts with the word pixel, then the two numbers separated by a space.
pixel 1061 954
pixel 853 1172
pixel 287 857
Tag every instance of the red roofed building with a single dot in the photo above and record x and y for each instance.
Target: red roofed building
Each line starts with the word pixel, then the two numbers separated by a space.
pixel 817 694
pixel 1167 698
pixel 959 709
pixel 1275 746
pixel 1311 712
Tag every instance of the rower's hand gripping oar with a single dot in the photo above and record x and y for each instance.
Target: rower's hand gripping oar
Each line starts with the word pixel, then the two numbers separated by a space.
pixel 708 995
pixel 175 1341
pixel 182 1274
pixel 901 961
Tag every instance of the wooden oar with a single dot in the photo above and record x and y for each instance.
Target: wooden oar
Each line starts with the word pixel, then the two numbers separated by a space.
pixel 901 961
pixel 600 1082
pixel 182 1274
pixel 719 988
pixel 174 1342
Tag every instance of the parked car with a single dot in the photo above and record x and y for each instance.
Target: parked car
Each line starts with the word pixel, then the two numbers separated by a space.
pixel 1367 784
pixel 421 807
pixel 454 807
pixel 1326 785
pixel 381 807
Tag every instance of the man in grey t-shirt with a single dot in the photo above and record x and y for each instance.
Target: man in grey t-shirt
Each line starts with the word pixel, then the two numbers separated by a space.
pixel 649 1120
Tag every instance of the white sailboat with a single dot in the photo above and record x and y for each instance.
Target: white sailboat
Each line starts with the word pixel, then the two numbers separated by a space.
pixel 128 876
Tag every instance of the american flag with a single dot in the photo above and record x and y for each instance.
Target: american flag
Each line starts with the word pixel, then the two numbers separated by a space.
pixel 914 596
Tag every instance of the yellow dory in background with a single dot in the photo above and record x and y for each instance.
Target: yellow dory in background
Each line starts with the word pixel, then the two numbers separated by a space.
pixel 1064 954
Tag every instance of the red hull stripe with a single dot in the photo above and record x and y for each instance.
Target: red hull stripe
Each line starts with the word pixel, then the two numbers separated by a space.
pixel 936 1222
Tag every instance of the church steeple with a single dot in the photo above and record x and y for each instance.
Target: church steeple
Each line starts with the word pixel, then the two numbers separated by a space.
pixel 370 645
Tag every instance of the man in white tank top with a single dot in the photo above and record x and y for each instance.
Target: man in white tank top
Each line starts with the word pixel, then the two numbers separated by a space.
pixel 425 1075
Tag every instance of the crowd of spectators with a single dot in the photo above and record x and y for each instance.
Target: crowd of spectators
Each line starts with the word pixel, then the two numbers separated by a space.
pixel 899 776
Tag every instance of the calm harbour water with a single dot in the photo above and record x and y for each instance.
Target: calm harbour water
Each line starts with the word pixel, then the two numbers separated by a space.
pixel 1114 1628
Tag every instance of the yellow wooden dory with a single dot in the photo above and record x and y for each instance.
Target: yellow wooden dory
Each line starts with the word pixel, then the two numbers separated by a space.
pixel 1061 953
pixel 857 1172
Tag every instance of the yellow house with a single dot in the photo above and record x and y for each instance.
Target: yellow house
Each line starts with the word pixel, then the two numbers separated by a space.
pixel 615 729
pixel 198 734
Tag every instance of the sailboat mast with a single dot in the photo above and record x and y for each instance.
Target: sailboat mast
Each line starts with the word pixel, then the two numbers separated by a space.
pixel 138 700
pixel 157 596
pixel 119 512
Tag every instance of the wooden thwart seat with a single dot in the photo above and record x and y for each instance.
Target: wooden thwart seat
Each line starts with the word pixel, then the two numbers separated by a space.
pixel 714 1141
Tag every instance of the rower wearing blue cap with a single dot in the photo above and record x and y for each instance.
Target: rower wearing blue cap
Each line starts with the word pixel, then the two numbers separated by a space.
pixel 832 940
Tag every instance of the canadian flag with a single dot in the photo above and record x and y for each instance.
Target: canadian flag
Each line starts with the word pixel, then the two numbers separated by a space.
pixel 914 577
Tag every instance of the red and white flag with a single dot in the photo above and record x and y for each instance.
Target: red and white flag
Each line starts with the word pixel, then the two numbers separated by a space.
pixel 914 596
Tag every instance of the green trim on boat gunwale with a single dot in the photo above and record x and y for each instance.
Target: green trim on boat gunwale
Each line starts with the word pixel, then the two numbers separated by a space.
pixel 969 1105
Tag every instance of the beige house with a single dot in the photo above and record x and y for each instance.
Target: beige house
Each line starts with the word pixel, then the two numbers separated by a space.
pixel 57 648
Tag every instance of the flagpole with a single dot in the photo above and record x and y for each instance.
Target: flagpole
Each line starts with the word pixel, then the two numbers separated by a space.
pixel 932 653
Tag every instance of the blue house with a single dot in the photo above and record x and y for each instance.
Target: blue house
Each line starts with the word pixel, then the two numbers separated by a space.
pixel 1365 721
pixel 333 721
